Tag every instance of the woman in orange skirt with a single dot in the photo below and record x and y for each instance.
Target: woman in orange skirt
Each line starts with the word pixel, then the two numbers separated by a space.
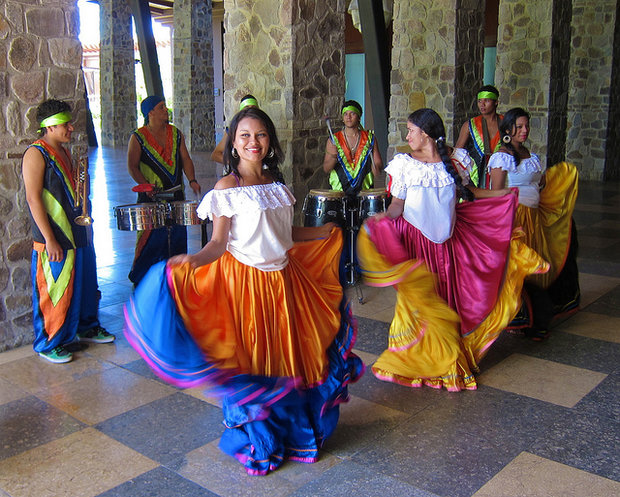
pixel 258 313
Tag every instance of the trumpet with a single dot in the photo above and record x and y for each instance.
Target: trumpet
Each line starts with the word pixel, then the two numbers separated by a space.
pixel 81 193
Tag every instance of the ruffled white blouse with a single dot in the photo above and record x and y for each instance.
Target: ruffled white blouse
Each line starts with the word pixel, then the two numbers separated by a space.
pixel 261 222
pixel 429 192
pixel 526 176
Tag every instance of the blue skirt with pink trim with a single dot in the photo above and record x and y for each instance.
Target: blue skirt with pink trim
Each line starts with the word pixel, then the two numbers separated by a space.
pixel 267 419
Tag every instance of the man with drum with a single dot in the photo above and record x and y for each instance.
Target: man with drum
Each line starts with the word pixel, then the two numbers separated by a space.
pixel 65 294
pixel 352 161
pixel 157 157
pixel 351 158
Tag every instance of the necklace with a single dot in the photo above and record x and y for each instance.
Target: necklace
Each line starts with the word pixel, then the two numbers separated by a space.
pixel 354 148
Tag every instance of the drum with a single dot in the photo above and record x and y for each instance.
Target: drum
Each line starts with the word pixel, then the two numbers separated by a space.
pixel 183 212
pixel 372 202
pixel 324 206
pixel 133 217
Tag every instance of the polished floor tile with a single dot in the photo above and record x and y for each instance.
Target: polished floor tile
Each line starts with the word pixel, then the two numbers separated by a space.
pixel 84 463
pixel 592 325
pixel 187 423
pixel 98 397
pixel 528 475
pixel 563 385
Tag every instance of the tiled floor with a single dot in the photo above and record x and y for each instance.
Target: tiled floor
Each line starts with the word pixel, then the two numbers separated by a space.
pixel 545 420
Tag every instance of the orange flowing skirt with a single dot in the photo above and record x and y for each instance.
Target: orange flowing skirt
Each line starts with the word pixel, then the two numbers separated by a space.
pixel 265 323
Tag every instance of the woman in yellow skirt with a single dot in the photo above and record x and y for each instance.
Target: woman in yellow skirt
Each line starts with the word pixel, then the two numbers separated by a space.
pixel 258 313
pixel 546 203
pixel 457 266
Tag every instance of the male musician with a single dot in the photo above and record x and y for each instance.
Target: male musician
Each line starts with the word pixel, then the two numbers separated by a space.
pixel 157 155
pixel 351 159
pixel 65 295
pixel 480 135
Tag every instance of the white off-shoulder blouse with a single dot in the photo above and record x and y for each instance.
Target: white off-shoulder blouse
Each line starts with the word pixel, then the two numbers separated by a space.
pixel 526 176
pixel 429 192
pixel 261 222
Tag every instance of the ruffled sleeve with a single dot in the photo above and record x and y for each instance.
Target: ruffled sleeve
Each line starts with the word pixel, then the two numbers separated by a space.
pixel 504 161
pixel 397 186
pixel 463 163
pixel 406 172
pixel 236 200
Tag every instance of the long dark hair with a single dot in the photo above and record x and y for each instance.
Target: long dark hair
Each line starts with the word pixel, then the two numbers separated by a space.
pixel 508 127
pixel 429 121
pixel 232 163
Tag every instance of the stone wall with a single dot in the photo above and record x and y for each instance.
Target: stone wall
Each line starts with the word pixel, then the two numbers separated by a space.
pixel 591 62
pixel 290 55
pixel 117 75
pixel 612 149
pixel 558 92
pixel 437 62
pixel 193 73
pixel 523 63
pixel 469 64
pixel 40 58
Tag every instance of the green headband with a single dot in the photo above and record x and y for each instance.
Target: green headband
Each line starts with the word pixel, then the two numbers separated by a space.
pixel 352 108
pixel 60 118
pixel 488 94
pixel 248 101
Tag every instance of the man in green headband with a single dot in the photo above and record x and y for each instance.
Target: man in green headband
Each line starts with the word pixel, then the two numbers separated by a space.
pixel 218 152
pixel 480 135
pixel 351 158
pixel 65 294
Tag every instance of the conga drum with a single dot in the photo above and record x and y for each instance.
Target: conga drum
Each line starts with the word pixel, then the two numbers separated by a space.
pixel 134 217
pixel 324 206
pixel 372 202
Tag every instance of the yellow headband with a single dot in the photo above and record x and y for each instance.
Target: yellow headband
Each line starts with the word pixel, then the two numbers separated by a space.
pixel 488 94
pixel 352 108
pixel 247 102
pixel 60 118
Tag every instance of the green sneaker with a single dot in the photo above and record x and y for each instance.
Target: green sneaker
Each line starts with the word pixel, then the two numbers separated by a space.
pixel 57 355
pixel 96 334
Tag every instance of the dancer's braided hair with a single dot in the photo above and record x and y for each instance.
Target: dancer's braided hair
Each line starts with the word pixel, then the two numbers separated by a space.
pixel 429 121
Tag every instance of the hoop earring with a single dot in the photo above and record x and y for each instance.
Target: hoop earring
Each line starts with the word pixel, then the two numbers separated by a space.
pixel 506 139
pixel 271 153
pixel 234 153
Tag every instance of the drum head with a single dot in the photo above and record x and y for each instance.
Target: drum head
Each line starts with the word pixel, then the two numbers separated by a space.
pixel 326 194
pixel 375 192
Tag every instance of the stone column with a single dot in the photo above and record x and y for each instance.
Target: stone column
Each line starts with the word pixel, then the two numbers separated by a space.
pixel 118 76
pixel 193 108
pixel 589 80
pixel 524 55
pixel 40 58
pixel 290 55
pixel 559 83
pixel 437 62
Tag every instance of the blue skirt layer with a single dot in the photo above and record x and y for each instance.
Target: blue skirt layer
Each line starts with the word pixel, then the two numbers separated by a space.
pixel 267 419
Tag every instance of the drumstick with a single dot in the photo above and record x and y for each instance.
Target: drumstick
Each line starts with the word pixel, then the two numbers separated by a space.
pixel 329 128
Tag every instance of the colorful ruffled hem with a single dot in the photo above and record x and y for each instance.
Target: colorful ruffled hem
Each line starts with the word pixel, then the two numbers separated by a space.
pixel 268 419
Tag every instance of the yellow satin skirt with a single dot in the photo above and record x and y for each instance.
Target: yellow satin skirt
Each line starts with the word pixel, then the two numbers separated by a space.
pixel 424 345
pixel 548 227
pixel 268 323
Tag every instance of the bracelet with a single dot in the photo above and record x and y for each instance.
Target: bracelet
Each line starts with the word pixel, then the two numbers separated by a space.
pixel 192 181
